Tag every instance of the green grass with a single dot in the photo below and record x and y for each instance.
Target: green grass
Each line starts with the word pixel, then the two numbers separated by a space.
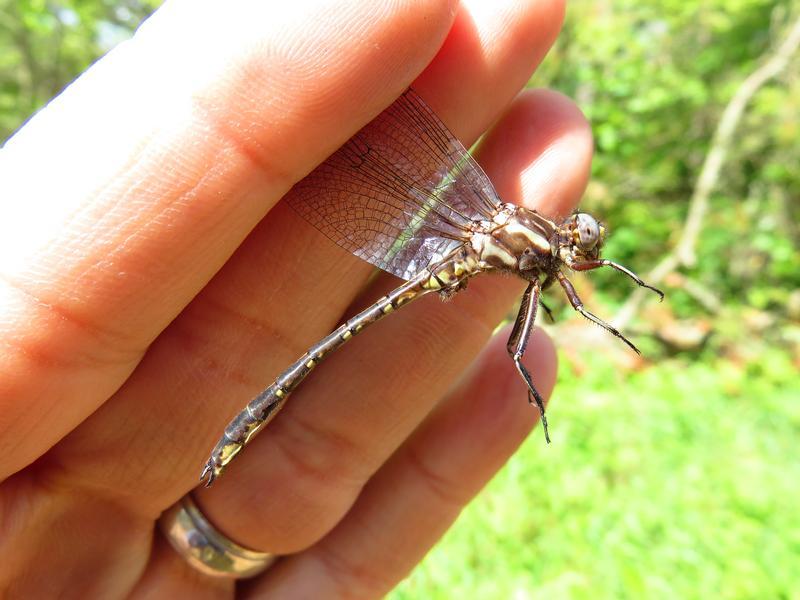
pixel 678 481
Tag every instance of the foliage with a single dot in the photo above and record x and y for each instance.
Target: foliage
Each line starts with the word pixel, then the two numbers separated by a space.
pixel 653 78
pixel 45 44
pixel 672 482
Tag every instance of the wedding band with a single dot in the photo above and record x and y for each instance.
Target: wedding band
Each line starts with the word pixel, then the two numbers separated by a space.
pixel 205 548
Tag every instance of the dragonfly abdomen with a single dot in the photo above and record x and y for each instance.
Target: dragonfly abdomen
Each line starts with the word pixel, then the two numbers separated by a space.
pixel 448 274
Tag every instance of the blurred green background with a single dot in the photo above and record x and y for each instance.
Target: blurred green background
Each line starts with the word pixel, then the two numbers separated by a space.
pixel 671 476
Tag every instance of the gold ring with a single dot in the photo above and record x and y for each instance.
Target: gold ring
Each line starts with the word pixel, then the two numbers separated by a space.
pixel 205 548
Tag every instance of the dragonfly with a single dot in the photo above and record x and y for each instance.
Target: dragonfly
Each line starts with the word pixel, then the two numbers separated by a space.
pixel 405 195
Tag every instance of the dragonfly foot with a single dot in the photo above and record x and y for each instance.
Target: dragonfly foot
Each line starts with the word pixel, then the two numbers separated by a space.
pixel 542 417
pixel 209 473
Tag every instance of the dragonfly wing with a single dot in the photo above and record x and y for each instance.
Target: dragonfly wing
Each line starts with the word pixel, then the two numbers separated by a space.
pixel 401 194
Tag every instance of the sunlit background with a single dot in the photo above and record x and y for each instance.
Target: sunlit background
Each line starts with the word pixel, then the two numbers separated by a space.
pixel 675 475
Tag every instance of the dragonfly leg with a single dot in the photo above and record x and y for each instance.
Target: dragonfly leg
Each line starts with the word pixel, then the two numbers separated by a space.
pixel 594 264
pixel 518 342
pixel 577 304
pixel 448 290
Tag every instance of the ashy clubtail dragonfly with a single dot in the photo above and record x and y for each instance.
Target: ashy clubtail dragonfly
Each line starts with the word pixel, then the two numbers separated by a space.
pixel 405 195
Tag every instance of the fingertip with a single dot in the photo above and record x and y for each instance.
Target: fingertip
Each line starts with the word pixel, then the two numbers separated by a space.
pixel 540 152
pixel 489 54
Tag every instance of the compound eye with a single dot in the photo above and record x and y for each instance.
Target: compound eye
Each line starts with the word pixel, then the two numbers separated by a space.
pixel 588 231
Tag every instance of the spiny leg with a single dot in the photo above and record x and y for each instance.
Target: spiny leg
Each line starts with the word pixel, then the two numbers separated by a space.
pixel 518 341
pixel 594 264
pixel 533 396
pixel 577 304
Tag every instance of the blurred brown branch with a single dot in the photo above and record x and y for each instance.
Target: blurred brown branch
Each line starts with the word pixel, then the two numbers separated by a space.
pixel 684 252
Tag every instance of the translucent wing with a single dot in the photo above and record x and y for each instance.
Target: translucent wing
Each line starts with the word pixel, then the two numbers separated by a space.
pixel 399 194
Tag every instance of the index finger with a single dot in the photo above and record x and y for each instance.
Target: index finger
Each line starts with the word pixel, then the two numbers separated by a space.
pixel 129 221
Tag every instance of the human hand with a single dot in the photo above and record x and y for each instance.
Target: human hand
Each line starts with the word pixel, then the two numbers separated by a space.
pixel 152 283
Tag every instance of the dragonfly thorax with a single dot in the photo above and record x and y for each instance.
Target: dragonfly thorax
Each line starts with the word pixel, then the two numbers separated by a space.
pixel 524 243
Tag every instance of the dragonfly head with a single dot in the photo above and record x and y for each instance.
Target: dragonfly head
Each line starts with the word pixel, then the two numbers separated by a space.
pixel 584 237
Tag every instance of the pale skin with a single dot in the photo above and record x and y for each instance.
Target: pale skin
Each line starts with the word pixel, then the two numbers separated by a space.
pixel 152 283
